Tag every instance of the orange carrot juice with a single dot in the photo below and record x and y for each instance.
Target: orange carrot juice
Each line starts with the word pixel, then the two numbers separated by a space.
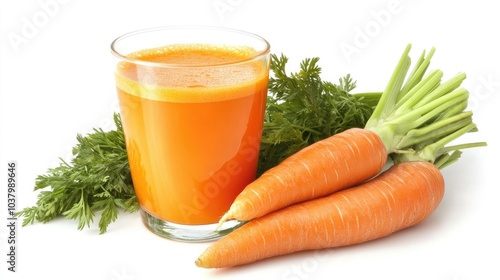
pixel 192 132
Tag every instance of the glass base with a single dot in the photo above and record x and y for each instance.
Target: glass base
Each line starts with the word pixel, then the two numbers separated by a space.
pixel 187 233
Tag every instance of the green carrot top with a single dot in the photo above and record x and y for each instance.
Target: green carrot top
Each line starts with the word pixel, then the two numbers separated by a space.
pixel 418 114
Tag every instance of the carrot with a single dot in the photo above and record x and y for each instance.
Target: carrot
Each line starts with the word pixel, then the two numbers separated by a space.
pixel 404 195
pixel 408 115
pixel 332 164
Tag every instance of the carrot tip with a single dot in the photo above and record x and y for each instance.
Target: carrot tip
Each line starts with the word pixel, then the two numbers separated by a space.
pixel 222 220
pixel 204 261
pixel 198 262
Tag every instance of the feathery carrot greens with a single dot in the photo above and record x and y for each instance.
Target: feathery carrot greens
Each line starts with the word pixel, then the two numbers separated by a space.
pixel 302 108
pixel 97 179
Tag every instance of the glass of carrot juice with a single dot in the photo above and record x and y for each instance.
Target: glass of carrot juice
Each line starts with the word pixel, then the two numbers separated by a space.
pixel 192 103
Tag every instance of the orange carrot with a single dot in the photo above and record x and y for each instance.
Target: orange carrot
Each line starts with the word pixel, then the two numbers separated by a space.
pixel 332 164
pixel 400 197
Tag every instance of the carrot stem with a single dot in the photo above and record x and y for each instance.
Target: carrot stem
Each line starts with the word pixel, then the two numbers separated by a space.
pixel 370 98
pixel 435 130
pixel 418 118
pixel 442 89
pixel 445 150
pixel 416 93
pixel 418 73
pixel 391 92
pixel 447 159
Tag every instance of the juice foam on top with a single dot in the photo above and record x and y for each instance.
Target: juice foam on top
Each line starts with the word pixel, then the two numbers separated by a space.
pixel 192 73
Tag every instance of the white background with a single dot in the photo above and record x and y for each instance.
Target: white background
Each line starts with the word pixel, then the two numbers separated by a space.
pixel 56 81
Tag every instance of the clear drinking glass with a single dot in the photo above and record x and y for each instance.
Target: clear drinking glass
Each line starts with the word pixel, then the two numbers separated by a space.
pixel 192 103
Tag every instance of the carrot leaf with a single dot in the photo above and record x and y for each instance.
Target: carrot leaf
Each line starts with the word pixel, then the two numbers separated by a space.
pixel 302 108
pixel 96 180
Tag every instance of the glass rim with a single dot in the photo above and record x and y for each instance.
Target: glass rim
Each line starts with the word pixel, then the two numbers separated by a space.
pixel 265 51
